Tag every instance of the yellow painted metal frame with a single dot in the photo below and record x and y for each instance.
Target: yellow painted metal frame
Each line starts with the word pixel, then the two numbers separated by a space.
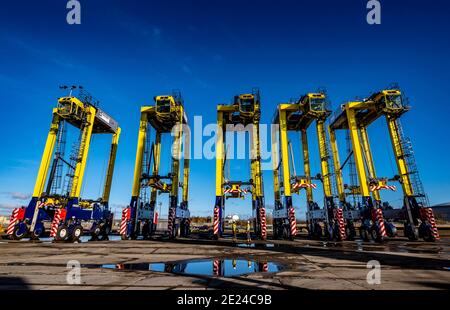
pixel 163 122
pixel 82 116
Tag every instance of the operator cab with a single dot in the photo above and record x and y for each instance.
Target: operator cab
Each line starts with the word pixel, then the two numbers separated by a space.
pixel 314 102
pixel 246 104
pixel 164 104
pixel 393 99
pixel 70 107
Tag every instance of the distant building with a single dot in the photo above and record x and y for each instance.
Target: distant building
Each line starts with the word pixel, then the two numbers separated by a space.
pixel 442 211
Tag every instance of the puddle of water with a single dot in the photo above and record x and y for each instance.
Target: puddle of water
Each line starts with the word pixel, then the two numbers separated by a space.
pixel 372 246
pixel 211 267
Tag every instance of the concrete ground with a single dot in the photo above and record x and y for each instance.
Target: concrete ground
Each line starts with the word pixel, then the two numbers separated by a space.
pixel 307 264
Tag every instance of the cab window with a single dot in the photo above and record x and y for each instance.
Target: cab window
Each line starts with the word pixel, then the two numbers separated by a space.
pixel 163 106
pixel 317 104
pixel 247 105
pixel 394 101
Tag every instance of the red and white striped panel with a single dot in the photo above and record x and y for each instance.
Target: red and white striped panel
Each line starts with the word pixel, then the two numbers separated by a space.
pixel 341 223
pixel 216 221
pixel 155 218
pixel 380 220
pixel 378 187
pixel 234 191
pixel 303 185
pixel 216 267
pixel 262 214
pixel 13 221
pixel 265 267
pixel 126 214
pixel 292 222
pixel 60 215
pixel 171 221
pixel 433 223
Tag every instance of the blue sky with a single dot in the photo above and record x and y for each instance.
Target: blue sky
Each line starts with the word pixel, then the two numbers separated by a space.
pixel 125 52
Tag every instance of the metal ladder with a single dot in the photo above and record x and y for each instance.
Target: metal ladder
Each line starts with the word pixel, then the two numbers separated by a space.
pixel 70 174
pixel 59 151
pixel 331 167
pixel 408 152
pixel 351 168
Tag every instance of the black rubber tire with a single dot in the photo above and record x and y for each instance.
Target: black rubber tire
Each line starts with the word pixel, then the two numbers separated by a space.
pixel 427 234
pixel 33 235
pixel 375 234
pixel 62 234
pixel 77 233
pixel 318 232
pixel 16 236
pixel 410 234
pixel 105 232
pixel 95 235
pixel 350 232
pixel 146 231
pixel 336 232
pixel 391 230
pixel 364 234
pixel 286 233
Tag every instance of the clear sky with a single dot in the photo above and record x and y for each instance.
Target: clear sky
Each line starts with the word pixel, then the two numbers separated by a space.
pixel 126 52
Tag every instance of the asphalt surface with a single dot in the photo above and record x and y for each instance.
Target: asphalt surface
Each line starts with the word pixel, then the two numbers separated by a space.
pixel 306 264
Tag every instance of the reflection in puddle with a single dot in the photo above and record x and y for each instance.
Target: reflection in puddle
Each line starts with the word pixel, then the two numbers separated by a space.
pixel 214 267
pixel 371 246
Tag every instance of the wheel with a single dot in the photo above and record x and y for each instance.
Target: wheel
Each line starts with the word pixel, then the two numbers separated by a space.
pixel 184 229
pixel 277 230
pixel 105 231
pixel 317 231
pixel 39 230
pixel 188 230
pixel 411 234
pixel 426 232
pixel 336 232
pixel 350 232
pixel 62 234
pixel 285 233
pixel 146 231
pixel 375 234
pixel 20 231
pixel 77 232
pixel 34 235
pixel 364 234
pixel 95 232
pixel 391 230
pixel 329 232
